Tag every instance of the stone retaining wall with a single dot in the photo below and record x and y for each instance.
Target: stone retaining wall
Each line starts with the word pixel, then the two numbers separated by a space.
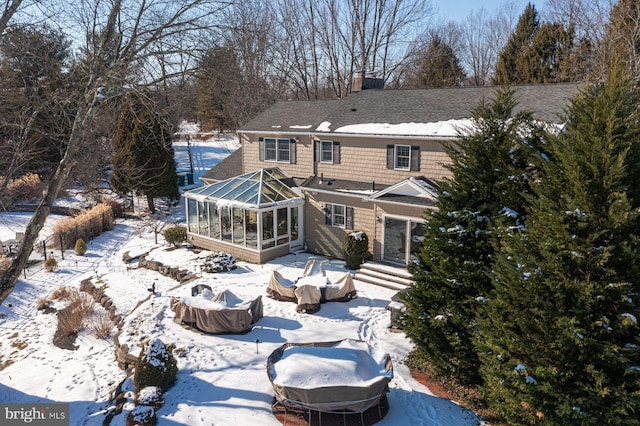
pixel 175 272
pixel 124 359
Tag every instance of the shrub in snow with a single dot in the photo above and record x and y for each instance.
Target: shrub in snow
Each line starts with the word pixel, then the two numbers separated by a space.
pixel 81 247
pixel 101 324
pixel 356 249
pixel 51 264
pixel 73 317
pixel 151 395
pixel 175 235
pixel 156 366
pixel 219 262
pixel 142 415
pixel 25 188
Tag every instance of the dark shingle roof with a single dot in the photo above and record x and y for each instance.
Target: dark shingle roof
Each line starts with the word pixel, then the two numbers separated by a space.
pixel 546 101
pixel 347 187
pixel 363 189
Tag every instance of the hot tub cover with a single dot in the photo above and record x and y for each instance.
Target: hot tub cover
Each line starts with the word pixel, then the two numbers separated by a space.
pixel 222 313
pixel 344 375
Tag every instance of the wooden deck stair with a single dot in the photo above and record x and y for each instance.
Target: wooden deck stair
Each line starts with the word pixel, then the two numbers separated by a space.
pixel 395 278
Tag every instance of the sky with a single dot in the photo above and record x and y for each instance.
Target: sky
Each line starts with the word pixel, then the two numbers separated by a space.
pixel 457 10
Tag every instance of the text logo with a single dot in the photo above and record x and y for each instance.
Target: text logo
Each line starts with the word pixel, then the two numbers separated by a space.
pixel 34 414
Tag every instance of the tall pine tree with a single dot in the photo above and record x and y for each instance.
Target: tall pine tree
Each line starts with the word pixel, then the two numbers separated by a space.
pixel 538 53
pixel 560 341
pixel 143 158
pixel 507 68
pixel 440 66
pixel 484 197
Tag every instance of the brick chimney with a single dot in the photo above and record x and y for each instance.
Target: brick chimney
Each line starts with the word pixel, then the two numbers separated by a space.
pixel 366 80
pixel 358 79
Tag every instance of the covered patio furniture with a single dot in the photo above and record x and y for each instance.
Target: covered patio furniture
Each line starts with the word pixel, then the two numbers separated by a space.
pixel 223 313
pixel 313 267
pixel 309 298
pixel 344 376
pixel 342 290
pixel 312 288
pixel 281 289
pixel 199 289
pixel 397 308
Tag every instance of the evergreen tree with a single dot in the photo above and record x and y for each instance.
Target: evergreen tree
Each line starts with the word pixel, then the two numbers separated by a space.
pixel 546 58
pixel 507 67
pixel 219 82
pixel 484 197
pixel 35 83
pixel 538 53
pixel 560 339
pixel 143 159
pixel 440 67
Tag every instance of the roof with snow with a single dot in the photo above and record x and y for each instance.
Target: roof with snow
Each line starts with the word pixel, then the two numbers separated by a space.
pixel 411 112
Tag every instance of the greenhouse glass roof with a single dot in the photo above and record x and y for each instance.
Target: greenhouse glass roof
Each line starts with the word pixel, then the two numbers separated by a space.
pixel 259 188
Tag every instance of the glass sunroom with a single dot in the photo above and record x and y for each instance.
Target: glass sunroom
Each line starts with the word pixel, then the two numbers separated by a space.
pixel 255 216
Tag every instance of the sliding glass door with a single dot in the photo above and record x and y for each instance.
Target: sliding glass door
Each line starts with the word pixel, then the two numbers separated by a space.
pixel 402 239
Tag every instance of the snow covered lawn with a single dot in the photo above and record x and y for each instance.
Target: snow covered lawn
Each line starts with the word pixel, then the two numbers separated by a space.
pixel 222 378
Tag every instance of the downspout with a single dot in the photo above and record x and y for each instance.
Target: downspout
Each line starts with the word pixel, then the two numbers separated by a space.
pixel 375 230
pixel 314 154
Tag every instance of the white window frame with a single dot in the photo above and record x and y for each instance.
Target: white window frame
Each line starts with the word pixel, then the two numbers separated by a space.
pixel 278 153
pixel 281 144
pixel 397 157
pixel 323 150
pixel 334 215
pixel 273 150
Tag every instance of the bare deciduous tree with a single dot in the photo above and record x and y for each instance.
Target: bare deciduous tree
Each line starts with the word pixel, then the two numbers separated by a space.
pixel 330 40
pixel 121 36
pixel 587 17
pixel 480 51
pixel 299 48
pixel 9 9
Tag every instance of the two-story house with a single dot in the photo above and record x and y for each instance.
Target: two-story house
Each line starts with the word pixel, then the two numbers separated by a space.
pixel 309 172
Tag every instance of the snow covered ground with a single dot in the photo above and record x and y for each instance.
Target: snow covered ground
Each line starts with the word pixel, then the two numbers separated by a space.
pixel 222 379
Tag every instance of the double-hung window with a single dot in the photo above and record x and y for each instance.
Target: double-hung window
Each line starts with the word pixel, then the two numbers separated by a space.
pixel 326 152
pixel 403 157
pixel 270 150
pixel 339 215
pixel 283 150
pixel 275 149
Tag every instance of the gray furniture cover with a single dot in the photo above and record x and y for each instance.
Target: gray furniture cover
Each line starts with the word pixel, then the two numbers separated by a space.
pixel 356 398
pixel 220 318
